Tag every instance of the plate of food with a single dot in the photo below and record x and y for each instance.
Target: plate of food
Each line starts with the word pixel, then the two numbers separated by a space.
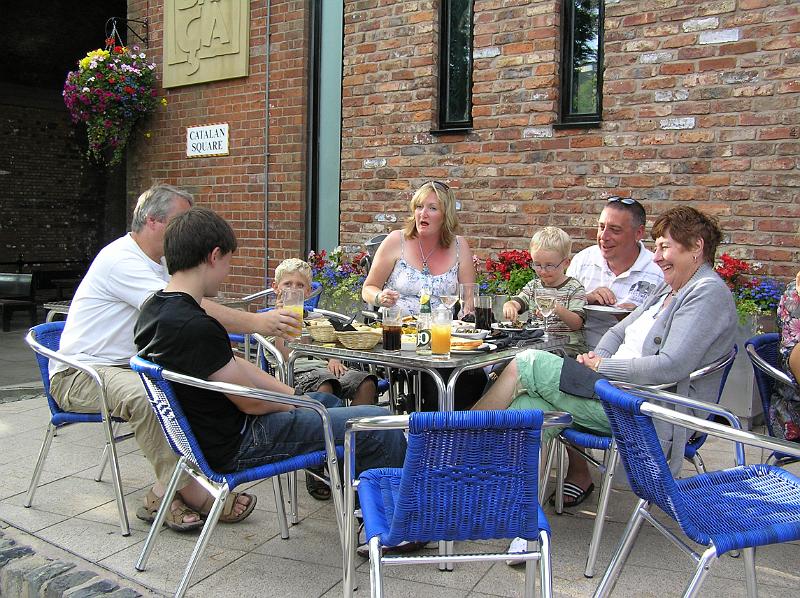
pixel 459 346
pixel 509 326
pixel 615 310
pixel 469 333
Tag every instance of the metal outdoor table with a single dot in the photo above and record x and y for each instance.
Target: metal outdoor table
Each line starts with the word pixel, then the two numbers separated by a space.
pixel 409 360
pixel 56 307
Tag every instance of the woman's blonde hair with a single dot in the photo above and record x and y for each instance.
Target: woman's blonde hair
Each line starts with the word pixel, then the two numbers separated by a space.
pixel 447 201
pixel 291 265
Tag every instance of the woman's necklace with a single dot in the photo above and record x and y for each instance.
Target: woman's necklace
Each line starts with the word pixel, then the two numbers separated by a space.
pixel 425 270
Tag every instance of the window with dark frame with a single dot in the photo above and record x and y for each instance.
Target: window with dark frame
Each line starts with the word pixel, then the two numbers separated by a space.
pixel 455 65
pixel 582 63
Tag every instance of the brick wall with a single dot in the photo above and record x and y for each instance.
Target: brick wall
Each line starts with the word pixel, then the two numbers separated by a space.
pixel 236 185
pixel 700 106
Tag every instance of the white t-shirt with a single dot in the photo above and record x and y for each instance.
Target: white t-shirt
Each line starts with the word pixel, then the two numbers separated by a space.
pixel 99 327
pixel 636 333
pixel 632 286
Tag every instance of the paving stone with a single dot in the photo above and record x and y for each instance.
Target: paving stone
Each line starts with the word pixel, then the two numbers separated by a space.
pixel 124 593
pixel 38 577
pixel 13 552
pixel 99 588
pixel 56 587
pixel 13 575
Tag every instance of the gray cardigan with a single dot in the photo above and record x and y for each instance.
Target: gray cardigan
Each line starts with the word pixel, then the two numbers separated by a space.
pixel 695 329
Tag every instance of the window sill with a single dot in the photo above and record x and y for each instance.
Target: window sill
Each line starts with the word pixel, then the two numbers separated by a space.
pixel 454 130
pixel 585 124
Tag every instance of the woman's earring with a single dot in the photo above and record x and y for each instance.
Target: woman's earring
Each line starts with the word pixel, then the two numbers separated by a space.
pixel 695 258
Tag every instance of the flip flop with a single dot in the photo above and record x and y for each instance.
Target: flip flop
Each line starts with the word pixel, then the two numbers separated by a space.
pixel 574 492
pixel 317 489
pixel 228 516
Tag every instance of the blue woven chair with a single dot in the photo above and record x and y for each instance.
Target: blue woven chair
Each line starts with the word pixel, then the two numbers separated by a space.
pixel 469 475
pixel 175 425
pixel 45 340
pixel 728 510
pixel 588 440
pixel 762 350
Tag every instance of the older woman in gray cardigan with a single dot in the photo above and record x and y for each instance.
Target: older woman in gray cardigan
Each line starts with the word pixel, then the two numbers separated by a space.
pixel 689 322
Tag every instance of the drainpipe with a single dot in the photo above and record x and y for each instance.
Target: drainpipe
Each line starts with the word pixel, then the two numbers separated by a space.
pixel 266 145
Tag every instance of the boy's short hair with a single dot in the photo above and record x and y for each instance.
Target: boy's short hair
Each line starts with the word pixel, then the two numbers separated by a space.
pixel 193 235
pixel 552 238
pixel 290 266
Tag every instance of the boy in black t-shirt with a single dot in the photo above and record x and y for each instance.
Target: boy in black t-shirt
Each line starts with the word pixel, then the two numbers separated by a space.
pixel 234 432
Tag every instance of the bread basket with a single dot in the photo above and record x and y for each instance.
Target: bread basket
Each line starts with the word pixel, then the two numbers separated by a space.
pixel 360 340
pixel 322 331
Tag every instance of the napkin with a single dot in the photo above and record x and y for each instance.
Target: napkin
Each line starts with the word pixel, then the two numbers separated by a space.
pixel 523 338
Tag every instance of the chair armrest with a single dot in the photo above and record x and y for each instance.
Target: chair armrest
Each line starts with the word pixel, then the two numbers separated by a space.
pixel 332 315
pixel 768 369
pixel 258 295
pixel 268 347
pixel 719 364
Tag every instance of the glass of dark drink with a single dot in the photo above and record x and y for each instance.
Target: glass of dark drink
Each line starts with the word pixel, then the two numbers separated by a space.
pixel 483 312
pixel 392 328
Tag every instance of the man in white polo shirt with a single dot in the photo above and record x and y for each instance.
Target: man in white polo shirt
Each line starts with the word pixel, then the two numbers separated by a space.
pixel 618 270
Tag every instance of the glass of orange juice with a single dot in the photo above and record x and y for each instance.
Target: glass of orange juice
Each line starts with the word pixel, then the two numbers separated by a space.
pixel 293 301
pixel 440 332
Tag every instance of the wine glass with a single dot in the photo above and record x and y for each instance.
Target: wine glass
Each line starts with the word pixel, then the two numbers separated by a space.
pixel 546 304
pixel 449 296
pixel 467 291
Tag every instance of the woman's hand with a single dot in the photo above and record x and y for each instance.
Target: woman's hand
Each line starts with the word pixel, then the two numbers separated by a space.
pixel 337 368
pixel 590 360
pixel 386 298
pixel 510 310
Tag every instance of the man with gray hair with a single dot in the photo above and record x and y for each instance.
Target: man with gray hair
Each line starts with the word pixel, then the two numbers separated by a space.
pixel 99 332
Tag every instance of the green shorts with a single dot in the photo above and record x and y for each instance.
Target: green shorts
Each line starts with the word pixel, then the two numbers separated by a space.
pixel 539 373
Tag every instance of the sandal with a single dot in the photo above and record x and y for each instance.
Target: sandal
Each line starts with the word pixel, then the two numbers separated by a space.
pixel 573 492
pixel 228 516
pixel 318 489
pixel 174 518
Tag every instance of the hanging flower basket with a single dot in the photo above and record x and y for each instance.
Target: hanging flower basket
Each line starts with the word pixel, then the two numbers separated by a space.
pixel 111 90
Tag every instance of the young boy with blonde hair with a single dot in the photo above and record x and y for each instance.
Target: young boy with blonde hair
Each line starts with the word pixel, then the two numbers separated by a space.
pixel 317 375
pixel 550 251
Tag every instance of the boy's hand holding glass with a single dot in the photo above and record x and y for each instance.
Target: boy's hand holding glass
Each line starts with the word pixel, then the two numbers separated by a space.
pixel 337 368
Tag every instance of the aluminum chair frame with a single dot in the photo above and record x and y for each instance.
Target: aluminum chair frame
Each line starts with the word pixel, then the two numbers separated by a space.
pixel 642 509
pixel 60 418
pixel 766 374
pixel 540 553
pixel 192 462
pixel 608 465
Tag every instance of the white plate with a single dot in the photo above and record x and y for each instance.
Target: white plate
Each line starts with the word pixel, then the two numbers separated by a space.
pixel 477 335
pixel 608 309
pixel 505 328
pixel 481 349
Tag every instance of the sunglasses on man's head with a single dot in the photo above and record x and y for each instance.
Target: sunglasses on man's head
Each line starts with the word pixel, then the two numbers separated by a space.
pixel 628 201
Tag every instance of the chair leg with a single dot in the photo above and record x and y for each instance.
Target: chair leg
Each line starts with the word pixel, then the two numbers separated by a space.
pixel 606 585
pixel 202 541
pixel 101 466
pixel 602 507
pixel 699 465
pixel 530 576
pixel 544 475
pixel 561 472
pixel 280 507
pixel 166 503
pixel 375 569
pixel 293 512
pixel 703 565
pixel 37 471
pixel 750 572
pixel 116 479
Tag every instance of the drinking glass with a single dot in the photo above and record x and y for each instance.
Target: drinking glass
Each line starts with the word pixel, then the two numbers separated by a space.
pixel 293 301
pixel 392 326
pixel 467 292
pixel 546 301
pixel 483 312
pixel 449 296
pixel 441 329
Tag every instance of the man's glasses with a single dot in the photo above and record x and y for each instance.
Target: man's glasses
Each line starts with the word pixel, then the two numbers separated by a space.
pixel 628 201
pixel 547 267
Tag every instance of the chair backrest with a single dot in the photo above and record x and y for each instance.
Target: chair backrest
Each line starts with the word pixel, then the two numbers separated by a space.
pixel 469 475
pixel 766 346
pixel 642 456
pixel 313 301
pixel 48 335
pixel 174 423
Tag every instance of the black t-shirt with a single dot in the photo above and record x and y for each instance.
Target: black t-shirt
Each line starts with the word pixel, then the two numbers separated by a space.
pixel 174 332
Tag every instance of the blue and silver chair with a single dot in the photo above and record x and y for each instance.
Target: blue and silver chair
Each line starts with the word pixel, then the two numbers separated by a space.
pixel 470 475
pixel 175 425
pixel 762 350
pixel 607 467
pixel 729 510
pixel 45 340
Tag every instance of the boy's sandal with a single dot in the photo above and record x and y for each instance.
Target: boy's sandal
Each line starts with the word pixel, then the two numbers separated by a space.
pixel 228 515
pixel 317 489
pixel 575 493
pixel 175 518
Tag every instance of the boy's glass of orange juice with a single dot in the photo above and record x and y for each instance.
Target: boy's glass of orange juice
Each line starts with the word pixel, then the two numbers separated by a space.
pixel 440 333
pixel 293 301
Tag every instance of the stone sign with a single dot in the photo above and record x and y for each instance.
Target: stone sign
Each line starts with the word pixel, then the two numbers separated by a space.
pixel 205 40
pixel 207 140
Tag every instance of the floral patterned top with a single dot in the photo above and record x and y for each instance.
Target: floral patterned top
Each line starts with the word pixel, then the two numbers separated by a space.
pixel 409 282
pixel 784 409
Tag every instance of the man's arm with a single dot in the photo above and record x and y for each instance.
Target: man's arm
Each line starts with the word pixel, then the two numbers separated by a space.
pixel 276 322
pixel 241 372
